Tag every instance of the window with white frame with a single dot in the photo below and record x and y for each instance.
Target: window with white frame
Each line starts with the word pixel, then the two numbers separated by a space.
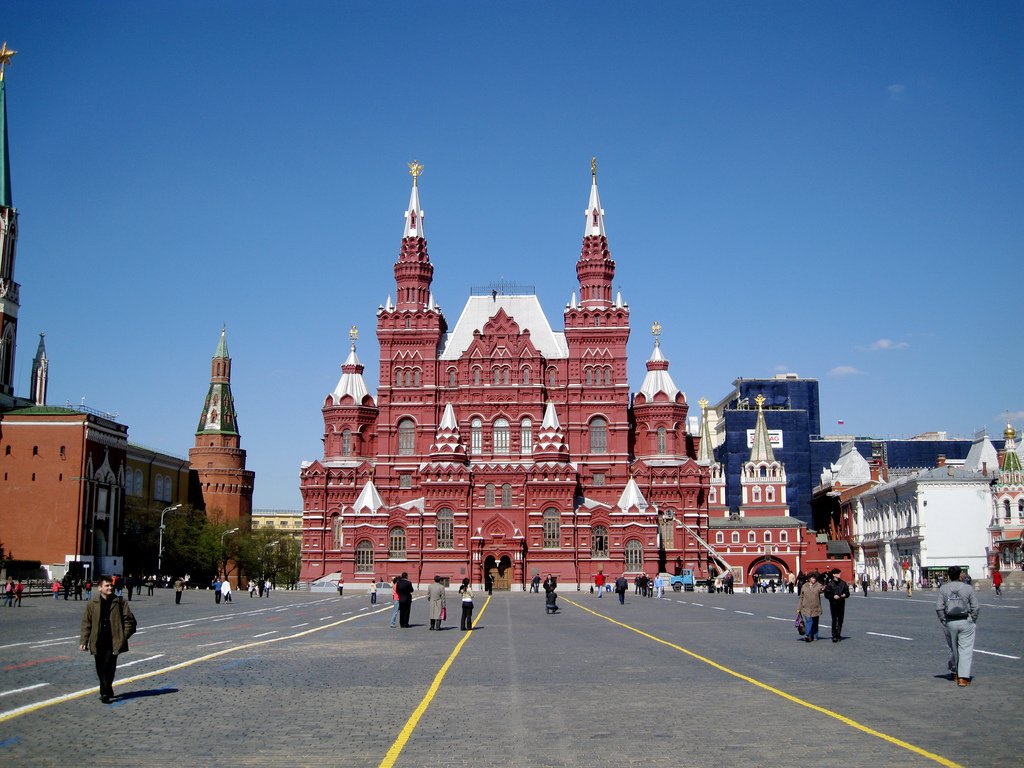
pixel 526 437
pixel 406 437
pixel 364 557
pixel 501 436
pixel 552 520
pixel 476 436
pixel 398 543
pixel 634 556
pixel 445 529
pixel 599 541
pixel 598 435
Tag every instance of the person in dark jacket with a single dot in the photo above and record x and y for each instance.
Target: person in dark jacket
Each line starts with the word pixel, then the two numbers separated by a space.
pixel 404 589
pixel 621 585
pixel 837 592
pixel 106 626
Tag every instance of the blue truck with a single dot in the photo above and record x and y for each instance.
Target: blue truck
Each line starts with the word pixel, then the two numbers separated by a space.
pixel 684 581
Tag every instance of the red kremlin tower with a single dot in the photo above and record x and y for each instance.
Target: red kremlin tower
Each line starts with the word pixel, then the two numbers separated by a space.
pixel 217 460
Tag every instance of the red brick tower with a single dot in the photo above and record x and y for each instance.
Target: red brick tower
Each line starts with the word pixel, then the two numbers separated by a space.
pixel 217 460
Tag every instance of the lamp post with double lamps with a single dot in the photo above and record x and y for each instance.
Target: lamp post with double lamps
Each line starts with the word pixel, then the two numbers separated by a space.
pixel 160 545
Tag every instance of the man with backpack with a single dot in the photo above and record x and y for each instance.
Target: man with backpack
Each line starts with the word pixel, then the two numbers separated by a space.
pixel 957 608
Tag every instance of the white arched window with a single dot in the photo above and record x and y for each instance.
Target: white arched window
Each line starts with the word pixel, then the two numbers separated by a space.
pixel 501 436
pixel 552 377
pixel 769 493
pixel 756 493
pixel 551 528
pixel 767 537
pixel 445 529
pixel 452 377
pixel 335 531
pixel 751 537
pixel 783 537
pixel 526 375
pixel 364 557
pixel 138 482
pixel 599 541
pixel 719 538
pixel 634 556
pixel 476 376
pixel 158 490
pixel 406 437
pixel 526 437
pixel 598 435
pixel 735 537
pixel 398 543
pixel 476 436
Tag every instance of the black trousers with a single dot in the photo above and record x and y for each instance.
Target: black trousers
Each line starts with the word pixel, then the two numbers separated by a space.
pixel 177 597
pixel 467 616
pixel 838 613
pixel 404 606
pixel 106 666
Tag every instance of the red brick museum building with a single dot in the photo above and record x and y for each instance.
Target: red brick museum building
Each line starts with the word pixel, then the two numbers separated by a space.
pixel 502 446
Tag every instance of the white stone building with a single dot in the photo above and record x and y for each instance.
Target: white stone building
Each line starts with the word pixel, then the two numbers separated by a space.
pixel 929 520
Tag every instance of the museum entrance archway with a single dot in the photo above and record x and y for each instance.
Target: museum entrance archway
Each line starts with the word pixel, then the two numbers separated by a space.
pixel 498 571
pixel 767 571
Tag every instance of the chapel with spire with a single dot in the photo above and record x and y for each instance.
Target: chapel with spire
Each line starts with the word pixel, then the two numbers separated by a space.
pixel 502 448
pixel 217 461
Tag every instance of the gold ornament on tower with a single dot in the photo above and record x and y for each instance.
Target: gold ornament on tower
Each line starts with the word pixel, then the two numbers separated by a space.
pixel 415 169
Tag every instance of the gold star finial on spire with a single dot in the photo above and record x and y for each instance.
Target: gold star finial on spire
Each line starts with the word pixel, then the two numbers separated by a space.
pixel 593 168
pixel 760 402
pixel 703 403
pixel 6 54
pixel 415 169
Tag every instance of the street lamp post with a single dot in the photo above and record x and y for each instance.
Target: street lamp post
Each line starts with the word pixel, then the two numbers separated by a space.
pixel 160 546
pixel 270 546
pixel 224 559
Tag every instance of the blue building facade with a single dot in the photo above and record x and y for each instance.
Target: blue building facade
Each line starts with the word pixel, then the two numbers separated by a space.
pixel 792 415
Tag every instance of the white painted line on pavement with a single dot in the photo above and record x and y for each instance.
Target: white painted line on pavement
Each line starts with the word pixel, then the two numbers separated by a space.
pixel 1000 655
pixel 264 634
pixel 716 608
pixel 325 618
pixel 745 613
pixel 304 624
pixel 207 645
pixel 347 613
pixel 700 604
pixel 139 661
pixel 895 637
pixel 51 645
pixel 26 688
pixel 225 618
pixel 779 618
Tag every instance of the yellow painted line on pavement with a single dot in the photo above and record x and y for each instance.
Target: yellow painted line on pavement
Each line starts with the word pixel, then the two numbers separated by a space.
pixel 29 708
pixel 787 696
pixel 414 718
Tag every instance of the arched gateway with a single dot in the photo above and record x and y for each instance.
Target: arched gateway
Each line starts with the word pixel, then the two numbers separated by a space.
pixel 500 571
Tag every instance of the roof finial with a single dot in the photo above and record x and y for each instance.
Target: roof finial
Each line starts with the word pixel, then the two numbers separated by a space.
pixel 703 403
pixel 415 169
pixel 760 402
pixel 353 335
pixel 593 168
pixel 656 332
pixel 6 54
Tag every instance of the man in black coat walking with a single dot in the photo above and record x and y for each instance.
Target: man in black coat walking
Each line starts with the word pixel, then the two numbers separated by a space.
pixel 404 589
pixel 837 592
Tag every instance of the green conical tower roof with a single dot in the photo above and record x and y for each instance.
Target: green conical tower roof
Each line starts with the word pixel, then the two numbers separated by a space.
pixel 222 345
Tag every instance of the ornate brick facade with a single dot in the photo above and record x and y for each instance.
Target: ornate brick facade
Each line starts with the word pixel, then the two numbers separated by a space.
pixel 501 448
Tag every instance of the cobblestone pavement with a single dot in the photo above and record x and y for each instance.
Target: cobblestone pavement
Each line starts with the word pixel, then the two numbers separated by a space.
pixel 305 679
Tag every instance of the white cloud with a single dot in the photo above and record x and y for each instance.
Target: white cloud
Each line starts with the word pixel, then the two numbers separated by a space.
pixel 896 91
pixel 781 368
pixel 845 370
pixel 1011 416
pixel 886 344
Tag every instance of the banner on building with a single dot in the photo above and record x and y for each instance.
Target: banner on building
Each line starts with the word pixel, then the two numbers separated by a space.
pixel 774 437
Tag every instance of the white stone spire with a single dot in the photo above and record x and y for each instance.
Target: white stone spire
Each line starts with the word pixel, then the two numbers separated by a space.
pixel 448 441
pixel 368 499
pixel 632 498
pixel 351 383
pixel 594 212
pixel 550 442
pixel 572 301
pixel 761 450
pixel 550 418
pixel 658 378
pixel 40 375
pixel 706 453
pixel 414 213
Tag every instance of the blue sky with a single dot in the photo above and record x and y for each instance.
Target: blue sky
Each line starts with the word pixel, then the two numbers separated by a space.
pixel 825 188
